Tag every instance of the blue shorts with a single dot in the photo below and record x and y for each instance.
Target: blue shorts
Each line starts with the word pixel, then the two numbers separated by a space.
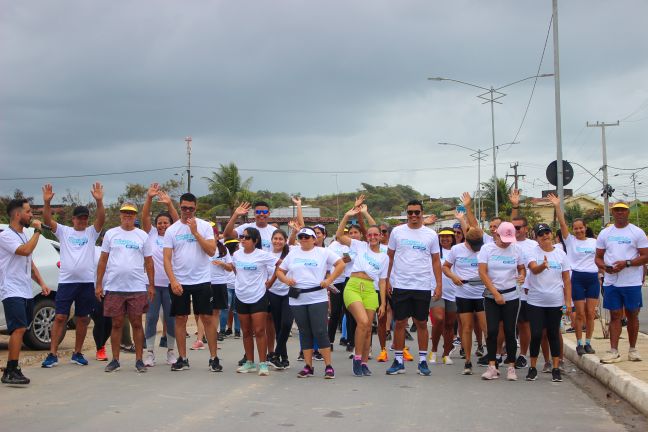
pixel 585 285
pixel 81 294
pixel 616 298
pixel 18 312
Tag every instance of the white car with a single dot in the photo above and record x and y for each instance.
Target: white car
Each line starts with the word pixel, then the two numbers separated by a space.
pixel 46 256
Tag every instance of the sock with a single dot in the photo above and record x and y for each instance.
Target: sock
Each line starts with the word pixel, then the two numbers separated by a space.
pixel 422 356
pixel 579 342
pixel 12 364
pixel 587 341
pixel 398 355
pixel 357 357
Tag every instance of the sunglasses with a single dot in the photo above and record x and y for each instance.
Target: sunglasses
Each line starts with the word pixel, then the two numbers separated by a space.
pixel 413 212
pixel 304 237
pixel 245 237
pixel 518 228
pixel 187 209
pixel 259 212
pixel 458 232
pixel 384 231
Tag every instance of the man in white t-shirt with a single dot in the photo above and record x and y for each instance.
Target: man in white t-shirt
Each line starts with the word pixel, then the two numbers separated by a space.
pixel 16 270
pixel 76 279
pixel 125 282
pixel 261 216
pixel 413 252
pixel 188 245
pixel 622 252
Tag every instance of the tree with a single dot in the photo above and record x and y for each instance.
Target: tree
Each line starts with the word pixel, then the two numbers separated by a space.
pixel 135 193
pixel 573 212
pixel 228 187
pixel 488 199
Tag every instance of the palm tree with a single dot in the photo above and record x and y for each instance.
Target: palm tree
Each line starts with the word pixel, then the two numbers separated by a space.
pixel 227 186
pixel 488 197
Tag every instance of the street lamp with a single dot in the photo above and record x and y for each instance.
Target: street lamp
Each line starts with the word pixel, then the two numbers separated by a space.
pixel 492 96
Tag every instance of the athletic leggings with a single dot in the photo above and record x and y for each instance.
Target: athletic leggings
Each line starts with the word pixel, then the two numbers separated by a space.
pixel 162 298
pixel 283 318
pixel 544 318
pixel 337 309
pixel 311 320
pixel 102 325
pixel 508 314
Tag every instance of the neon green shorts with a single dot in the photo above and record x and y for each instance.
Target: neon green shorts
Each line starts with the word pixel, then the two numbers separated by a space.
pixel 361 290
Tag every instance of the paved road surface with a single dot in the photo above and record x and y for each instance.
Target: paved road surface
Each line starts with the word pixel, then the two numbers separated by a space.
pixel 71 397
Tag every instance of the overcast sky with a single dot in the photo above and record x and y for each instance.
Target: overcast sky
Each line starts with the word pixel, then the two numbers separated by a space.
pixel 336 86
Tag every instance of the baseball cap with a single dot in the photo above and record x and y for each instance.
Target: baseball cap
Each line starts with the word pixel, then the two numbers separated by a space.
pixel 128 207
pixel 446 231
pixel 307 231
pixel 81 211
pixel 620 205
pixel 506 231
pixel 540 228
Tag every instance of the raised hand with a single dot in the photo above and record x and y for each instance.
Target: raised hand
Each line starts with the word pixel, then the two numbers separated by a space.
pixel 352 212
pixel 363 208
pixel 97 191
pixel 554 200
pixel 294 225
pixel 164 198
pixel 48 193
pixel 296 200
pixel 359 200
pixel 466 199
pixel 153 190
pixel 514 197
pixel 459 215
pixel 429 220
pixel 193 226
pixel 242 209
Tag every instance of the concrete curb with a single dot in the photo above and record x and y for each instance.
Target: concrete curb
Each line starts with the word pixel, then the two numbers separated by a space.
pixel 625 385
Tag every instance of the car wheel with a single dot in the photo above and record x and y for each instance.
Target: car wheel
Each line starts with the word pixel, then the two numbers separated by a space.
pixel 39 334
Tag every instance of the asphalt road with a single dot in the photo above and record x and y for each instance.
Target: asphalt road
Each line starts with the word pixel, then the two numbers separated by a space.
pixel 70 397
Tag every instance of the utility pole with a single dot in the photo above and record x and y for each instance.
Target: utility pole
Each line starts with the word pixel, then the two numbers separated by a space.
pixel 559 155
pixel 633 177
pixel 515 175
pixel 607 189
pixel 188 141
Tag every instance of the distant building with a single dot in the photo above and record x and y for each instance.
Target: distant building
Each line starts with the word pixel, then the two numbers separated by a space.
pixel 545 209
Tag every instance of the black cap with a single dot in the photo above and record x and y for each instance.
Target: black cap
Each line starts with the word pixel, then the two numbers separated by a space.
pixel 81 211
pixel 541 227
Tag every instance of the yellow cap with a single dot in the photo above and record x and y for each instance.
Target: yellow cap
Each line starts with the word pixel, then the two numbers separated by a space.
pixel 212 223
pixel 128 207
pixel 620 205
pixel 446 231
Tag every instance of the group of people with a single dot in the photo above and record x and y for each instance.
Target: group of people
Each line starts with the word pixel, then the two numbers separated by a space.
pixel 503 285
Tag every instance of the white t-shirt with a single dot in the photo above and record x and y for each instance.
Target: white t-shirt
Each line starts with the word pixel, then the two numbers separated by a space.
pixel 413 249
pixel 125 269
pixel 266 234
pixel 190 263
pixel 621 244
pixel 525 247
pixel 465 265
pixel 77 254
pixel 252 272
pixel 502 267
pixel 375 265
pixel 157 248
pixel 546 289
pixel 340 250
pixel 449 289
pixel 218 274
pixel 279 288
pixel 581 254
pixel 15 270
pixel 488 238
pixel 308 269
pixel 383 248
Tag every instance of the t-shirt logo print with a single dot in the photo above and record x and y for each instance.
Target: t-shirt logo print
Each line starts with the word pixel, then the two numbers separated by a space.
pixel 306 262
pixel 189 238
pixel 414 244
pixel 128 244
pixel 78 241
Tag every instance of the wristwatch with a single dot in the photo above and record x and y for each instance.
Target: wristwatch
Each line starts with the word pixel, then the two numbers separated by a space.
pixel 628 263
pixel 38 230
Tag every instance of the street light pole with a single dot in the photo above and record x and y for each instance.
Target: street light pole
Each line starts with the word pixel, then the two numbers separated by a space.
pixel 492 96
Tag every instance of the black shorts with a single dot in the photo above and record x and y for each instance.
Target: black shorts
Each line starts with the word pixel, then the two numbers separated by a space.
pixel 523 312
pixel 411 303
pixel 18 312
pixel 465 305
pixel 260 305
pixel 219 296
pixel 200 295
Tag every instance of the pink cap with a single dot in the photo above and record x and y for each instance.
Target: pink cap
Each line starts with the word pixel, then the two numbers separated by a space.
pixel 506 231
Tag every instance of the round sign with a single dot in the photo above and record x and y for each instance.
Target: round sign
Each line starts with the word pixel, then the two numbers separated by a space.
pixel 552 174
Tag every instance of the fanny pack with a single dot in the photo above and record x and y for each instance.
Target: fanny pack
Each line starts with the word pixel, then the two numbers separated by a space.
pixel 488 294
pixel 473 282
pixel 295 292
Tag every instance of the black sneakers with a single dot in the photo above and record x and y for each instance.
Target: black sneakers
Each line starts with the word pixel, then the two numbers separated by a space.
pixel 589 349
pixel 555 375
pixel 521 362
pixel 14 377
pixel 532 375
pixel 180 365
pixel 580 350
pixel 275 362
pixel 214 365
pixel 243 360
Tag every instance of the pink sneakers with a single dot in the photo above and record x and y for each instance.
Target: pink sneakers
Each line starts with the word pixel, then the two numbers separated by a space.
pixel 510 374
pixel 491 373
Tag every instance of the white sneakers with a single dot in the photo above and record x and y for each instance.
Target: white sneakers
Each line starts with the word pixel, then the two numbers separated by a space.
pixel 171 357
pixel 149 359
pixel 633 355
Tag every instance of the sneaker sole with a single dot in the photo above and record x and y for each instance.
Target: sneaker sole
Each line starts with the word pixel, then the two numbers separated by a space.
pixel 329 377
pixel 531 379
pixel 399 371
pixel 114 370
pixel 141 370
pixel 424 374
pixel 467 373
pixel 49 366
pixel 179 370
pixel 264 373
pixel 197 349
pixel 610 361
pixel 556 380
pixel 78 363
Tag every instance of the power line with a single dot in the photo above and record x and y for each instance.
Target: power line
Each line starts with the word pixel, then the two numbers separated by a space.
pixel 91 175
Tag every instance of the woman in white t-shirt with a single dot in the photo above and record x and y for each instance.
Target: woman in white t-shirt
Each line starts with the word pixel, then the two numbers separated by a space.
pixel 443 312
pixel 368 274
pixel 462 268
pixel 162 298
pixel 501 268
pixel 549 292
pixel 254 267
pixel 586 288
pixel 304 270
